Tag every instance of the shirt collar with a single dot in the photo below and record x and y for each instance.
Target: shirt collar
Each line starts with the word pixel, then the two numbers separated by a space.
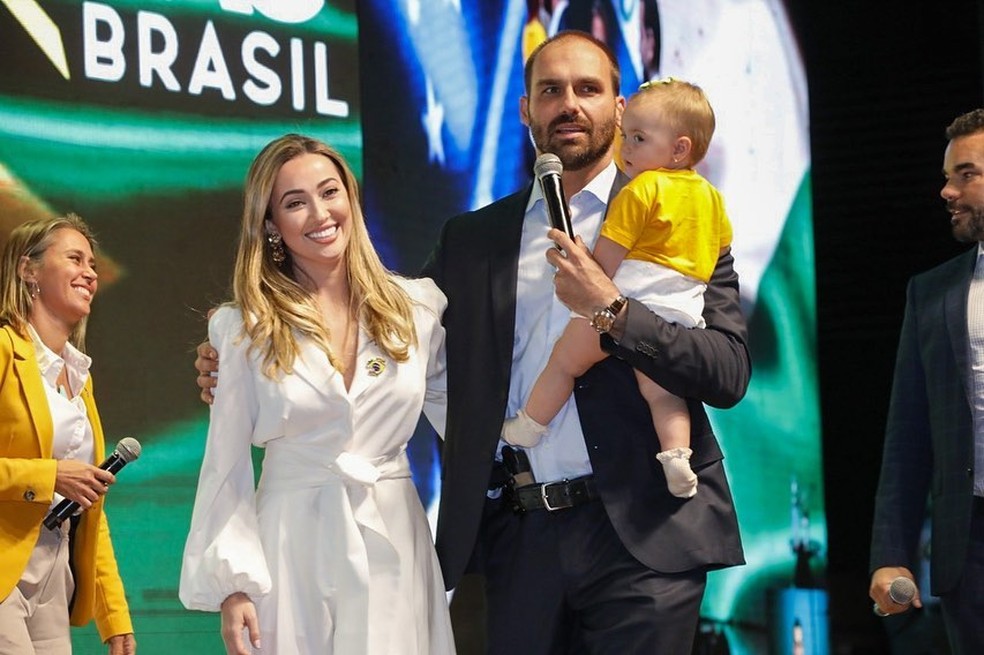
pixel 600 187
pixel 51 363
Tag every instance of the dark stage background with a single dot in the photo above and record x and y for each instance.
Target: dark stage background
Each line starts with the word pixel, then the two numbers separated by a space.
pixel 885 80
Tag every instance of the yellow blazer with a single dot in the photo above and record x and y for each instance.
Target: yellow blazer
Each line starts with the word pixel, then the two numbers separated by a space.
pixel 27 486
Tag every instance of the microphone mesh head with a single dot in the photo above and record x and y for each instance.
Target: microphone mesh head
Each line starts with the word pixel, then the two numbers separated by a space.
pixel 128 449
pixel 902 590
pixel 546 164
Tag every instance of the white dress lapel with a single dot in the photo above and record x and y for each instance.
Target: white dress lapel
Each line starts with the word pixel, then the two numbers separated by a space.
pixel 312 366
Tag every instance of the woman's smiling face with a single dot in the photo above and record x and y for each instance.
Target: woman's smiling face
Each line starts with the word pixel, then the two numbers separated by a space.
pixel 66 278
pixel 309 208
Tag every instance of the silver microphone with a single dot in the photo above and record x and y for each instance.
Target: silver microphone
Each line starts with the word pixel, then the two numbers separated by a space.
pixel 902 590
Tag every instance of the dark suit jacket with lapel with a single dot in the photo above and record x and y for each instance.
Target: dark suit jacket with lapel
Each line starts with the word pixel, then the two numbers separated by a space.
pixel 475 264
pixel 929 438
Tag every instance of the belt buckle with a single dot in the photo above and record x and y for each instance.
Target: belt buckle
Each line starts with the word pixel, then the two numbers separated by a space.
pixel 543 496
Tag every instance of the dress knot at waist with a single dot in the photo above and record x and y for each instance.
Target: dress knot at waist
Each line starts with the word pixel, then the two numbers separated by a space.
pixel 362 549
pixel 298 466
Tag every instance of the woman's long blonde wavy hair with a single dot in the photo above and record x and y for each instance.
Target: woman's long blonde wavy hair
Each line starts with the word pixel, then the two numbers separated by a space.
pixel 272 301
pixel 30 240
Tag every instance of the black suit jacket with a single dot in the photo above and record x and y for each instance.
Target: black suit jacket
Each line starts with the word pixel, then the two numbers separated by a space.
pixel 929 438
pixel 475 264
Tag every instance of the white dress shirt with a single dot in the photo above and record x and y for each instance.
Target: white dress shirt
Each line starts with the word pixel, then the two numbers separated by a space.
pixel 541 319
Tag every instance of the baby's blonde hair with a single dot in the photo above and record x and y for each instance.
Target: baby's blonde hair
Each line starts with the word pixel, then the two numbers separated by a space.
pixel 684 107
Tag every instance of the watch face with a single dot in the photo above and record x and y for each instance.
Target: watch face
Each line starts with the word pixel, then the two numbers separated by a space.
pixel 603 320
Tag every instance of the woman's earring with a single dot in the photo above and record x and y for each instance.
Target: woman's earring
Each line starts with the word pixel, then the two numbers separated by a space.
pixel 276 248
pixel 33 289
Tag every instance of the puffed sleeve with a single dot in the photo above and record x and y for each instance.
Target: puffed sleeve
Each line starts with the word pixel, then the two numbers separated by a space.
pixel 223 553
pixel 432 303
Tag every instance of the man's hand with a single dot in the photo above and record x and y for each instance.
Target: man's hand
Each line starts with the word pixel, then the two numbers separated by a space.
pixel 580 283
pixel 881 580
pixel 239 612
pixel 207 363
pixel 81 482
pixel 122 644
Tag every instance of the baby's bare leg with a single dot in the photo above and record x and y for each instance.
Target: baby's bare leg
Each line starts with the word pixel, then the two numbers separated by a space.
pixel 671 418
pixel 577 350
pixel 574 353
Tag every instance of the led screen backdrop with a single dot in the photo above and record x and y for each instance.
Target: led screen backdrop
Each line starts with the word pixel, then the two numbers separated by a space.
pixel 142 117
pixel 442 134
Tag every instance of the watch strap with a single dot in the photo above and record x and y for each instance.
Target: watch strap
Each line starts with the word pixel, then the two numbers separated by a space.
pixel 616 305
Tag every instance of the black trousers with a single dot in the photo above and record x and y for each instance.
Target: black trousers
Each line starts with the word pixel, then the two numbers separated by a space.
pixel 562 583
pixel 963 608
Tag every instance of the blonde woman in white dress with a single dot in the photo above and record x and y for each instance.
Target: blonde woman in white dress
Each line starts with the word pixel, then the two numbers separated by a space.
pixel 327 361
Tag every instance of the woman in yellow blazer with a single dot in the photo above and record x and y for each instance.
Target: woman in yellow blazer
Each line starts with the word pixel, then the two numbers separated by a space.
pixel 50 439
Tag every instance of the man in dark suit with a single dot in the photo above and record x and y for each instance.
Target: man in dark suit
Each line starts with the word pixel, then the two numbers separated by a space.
pixel 934 438
pixel 601 558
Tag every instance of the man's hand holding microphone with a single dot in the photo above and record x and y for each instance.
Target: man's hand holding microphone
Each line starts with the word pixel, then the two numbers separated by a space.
pixel 893 589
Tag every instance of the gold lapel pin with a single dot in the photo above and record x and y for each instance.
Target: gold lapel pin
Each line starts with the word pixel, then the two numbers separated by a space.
pixel 376 366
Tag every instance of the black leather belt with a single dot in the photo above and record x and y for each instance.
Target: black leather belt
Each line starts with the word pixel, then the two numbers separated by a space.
pixel 552 496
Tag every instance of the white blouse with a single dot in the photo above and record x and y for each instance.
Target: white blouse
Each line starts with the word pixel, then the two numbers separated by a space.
pixel 72 436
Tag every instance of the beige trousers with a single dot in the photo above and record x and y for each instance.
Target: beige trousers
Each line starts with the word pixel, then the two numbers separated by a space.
pixel 34 617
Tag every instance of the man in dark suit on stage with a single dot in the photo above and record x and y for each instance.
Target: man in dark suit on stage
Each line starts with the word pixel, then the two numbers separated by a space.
pixel 600 557
pixel 934 438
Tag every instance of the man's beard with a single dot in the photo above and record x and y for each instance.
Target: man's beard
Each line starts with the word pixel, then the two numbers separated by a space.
pixel 575 158
pixel 973 229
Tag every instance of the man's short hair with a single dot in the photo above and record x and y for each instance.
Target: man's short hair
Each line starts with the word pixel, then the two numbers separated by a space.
pixel 616 74
pixel 966 124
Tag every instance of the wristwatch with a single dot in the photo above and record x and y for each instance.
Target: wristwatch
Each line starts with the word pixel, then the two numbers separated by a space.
pixel 604 318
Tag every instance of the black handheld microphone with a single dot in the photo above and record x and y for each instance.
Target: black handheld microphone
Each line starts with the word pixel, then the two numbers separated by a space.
pixel 547 170
pixel 127 450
